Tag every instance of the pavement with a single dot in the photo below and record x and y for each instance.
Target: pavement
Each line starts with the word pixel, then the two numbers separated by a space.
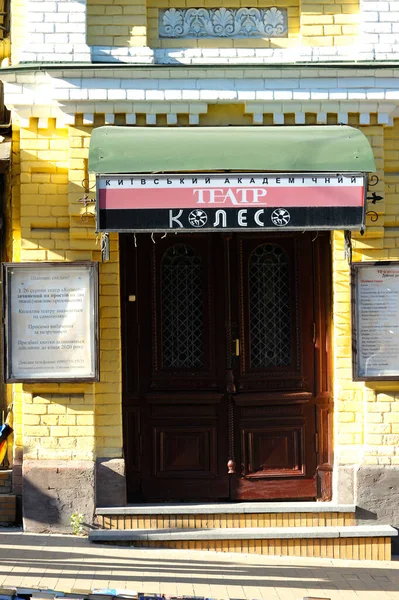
pixel 66 562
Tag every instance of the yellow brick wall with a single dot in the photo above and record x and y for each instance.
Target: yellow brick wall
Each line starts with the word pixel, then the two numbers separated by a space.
pixel 19 28
pixel 116 23
pixel 64 421
pixel 5 45
pixel 5 48
pixel 367 413
pixel 331 23
pixel 84 421
pixel 135 23
pixel 58 425
pixel 13 241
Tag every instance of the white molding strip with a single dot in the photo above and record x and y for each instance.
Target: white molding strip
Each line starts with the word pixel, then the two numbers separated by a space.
pixel 318 91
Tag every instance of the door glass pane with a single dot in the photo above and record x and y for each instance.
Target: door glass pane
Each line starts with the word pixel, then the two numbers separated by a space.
pixel 270 307
pixel 182 308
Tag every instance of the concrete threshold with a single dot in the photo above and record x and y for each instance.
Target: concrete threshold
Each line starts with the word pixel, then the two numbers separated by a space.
pixel 227 508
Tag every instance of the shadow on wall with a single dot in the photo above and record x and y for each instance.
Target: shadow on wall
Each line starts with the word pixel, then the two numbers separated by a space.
pixel 52 492
pixel 41 512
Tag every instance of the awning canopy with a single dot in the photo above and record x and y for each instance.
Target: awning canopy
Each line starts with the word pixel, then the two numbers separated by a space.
pixel 290 149
pixel 230 178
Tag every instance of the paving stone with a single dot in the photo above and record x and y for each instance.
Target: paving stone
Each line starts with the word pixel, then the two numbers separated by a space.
pixel 65 562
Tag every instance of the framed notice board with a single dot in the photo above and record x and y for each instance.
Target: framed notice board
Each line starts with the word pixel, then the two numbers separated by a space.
pixel 51 322
pixel 375 320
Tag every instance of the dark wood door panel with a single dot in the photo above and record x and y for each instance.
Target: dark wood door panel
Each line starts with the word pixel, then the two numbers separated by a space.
pixel 275 418
pixel 132 450
pixel 184 447
pixel 278 402
pixel 293 489
pixel 273 451
pixel 185 452
pixel 182 412
pixel 188 490
pixel 181 391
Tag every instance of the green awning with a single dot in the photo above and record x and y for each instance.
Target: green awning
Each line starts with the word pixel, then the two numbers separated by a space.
pixel 176 149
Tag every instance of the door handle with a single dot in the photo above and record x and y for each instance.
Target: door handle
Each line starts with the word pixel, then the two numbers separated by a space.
pixel 237 343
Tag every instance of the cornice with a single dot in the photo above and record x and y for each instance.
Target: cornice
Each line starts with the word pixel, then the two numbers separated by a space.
pixel 62 94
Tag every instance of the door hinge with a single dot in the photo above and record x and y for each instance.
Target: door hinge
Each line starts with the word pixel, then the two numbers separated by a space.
pixel 314 332
pixel 316 442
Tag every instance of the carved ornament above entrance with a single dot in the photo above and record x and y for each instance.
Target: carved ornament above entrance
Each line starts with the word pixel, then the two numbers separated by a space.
pixel 223 22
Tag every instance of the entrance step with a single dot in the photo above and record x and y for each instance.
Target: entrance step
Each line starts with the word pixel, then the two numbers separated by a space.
pixel 226 515
pixel 357 542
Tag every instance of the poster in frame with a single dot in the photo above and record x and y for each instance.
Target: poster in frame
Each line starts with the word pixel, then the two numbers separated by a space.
pixel 50 331
pixel 375 320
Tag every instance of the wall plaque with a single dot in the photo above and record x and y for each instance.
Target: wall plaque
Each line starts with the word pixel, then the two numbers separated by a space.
pixel 375 320
pixel 50 321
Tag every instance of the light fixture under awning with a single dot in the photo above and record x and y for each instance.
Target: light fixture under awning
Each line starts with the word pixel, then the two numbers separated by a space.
pixel 230 178
pixel 287 149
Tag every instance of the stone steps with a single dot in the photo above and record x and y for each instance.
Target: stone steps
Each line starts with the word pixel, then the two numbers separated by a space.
pixel 351 542
pixel 318 529
pixel 222 515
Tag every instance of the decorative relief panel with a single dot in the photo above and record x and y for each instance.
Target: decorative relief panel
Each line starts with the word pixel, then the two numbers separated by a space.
pixel 223 22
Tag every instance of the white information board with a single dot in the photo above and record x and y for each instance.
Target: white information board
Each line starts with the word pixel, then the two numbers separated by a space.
pixel 375 313
pixel 51 321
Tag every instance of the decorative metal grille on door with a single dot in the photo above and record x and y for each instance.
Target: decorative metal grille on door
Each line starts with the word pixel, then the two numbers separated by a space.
pixel 182 308
pixel 270 307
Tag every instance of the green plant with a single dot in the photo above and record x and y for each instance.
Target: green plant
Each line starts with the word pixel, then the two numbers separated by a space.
pixel 77 523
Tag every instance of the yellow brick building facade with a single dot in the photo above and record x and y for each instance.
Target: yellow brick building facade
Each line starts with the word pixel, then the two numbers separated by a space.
pixel 114 68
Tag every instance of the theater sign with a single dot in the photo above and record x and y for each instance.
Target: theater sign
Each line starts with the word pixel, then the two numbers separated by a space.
pixel 230 201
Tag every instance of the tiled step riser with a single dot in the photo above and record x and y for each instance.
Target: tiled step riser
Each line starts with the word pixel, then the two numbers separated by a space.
pixel 222 521
pixel 350 549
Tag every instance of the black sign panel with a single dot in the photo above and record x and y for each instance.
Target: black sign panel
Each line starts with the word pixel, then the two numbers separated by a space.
pixel 211 219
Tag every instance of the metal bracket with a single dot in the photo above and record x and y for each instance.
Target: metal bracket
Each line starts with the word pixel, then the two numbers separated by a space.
pixel 86 185
pixel 374 198
pixel 372 181
pixel 84 217
pixel 104 247
pixel 348 246
pixel 373 216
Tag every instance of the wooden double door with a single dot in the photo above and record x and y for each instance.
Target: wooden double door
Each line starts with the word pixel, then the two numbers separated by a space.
pixel 225 370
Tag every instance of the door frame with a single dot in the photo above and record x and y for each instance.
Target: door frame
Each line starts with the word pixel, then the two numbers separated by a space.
pixel 322 271
pixel 322 277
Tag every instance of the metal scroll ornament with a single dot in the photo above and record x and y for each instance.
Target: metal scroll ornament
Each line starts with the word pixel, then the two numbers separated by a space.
pixel 223 22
